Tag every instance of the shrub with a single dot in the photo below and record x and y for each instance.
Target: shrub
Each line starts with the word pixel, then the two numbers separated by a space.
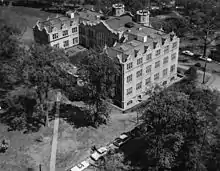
pixel 4 145
pixel 198 65
pixel 191 73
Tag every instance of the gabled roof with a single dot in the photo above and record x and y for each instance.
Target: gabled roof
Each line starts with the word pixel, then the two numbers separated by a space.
pixel 56 22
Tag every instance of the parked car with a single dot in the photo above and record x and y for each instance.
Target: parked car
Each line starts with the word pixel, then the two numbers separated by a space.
pixel 204 59
pixel 122 139
pixel 198 65
pixel 138 130
pixel 99 153
pixel 188 53
pixel 81 166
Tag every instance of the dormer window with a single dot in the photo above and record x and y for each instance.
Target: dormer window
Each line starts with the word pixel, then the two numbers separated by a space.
pixel 163 41
pixel 62 26
pixel 154 45
pixel 145 49
pixel 71 23
pixel 135 53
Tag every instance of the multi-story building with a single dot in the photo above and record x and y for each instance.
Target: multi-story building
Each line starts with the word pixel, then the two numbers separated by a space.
pixel 60 31
pixel 147 57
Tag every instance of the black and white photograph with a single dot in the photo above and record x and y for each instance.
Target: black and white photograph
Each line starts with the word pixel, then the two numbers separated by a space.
pixel 109 85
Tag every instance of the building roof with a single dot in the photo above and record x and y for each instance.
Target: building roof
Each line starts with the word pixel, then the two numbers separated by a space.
pixel 56 22
pixel 118 23
pixel 152 34
pixel 88 15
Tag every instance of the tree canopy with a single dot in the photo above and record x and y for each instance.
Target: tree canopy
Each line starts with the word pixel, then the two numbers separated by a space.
pixel 184 123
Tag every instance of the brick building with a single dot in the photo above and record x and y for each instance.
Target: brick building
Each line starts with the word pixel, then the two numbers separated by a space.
pixel 60 31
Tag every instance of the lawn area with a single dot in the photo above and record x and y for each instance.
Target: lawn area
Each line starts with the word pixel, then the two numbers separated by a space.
pixel 74 143
pixel 24 151
pixel 25 18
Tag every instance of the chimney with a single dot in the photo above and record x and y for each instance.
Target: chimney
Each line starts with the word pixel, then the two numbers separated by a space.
pixel 142 17
pixel 70 14
pixel 118 9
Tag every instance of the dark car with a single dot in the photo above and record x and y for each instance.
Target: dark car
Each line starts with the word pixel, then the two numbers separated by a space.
pixel 140 129
pixel 122 139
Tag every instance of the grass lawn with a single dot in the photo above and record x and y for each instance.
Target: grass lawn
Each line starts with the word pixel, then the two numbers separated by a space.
pixel 25 18
pixel 74 143
pixel 24 150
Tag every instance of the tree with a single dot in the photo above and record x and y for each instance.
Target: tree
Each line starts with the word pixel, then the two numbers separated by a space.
pixel 191 73
pixel 112 162
pixel 41 72
pixel 203 20
pixel 182 126
pixel 98 72
pixel 11 56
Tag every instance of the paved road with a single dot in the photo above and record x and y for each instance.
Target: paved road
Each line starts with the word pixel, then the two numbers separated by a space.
pixel 54 142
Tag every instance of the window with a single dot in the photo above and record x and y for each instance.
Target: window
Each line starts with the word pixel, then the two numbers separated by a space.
pixel 156 76
pixel 172 68
pixel 55 35
pixel 174 45
pixel 66 43
pixel 158 52
pixel 129 78
pixel 139 85
pixel 166 49
pixel 129 102
pixel 148 69
pixel 139 61
pixel 71 23
pixel 147 81
pixel 172 79
pixel 65 32
pixel 75 40
pixel 56 45
pixel 165 60
pixel 129 91
pixel 74 30
pixel 149 56
pixel 135 53
pixel 173 56
pixel 139 73
pixel 165 72
pixel 157 64
pixel 164 83
pixel 129 65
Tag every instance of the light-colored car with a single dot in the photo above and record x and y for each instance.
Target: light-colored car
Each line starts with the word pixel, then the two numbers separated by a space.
pixel 204 59
pixel 187 52
pixel 81 166
pixel 99 153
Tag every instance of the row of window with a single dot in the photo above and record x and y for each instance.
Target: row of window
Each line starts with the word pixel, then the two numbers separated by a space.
pixel 149 57
pixel 148 69
pixel 129 90
pixel 65 33
pixel 158 52
pixel 66 42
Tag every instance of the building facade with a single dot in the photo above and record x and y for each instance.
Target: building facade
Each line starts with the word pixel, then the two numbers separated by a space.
pixel 60 31
pixel 98 30
pixel 144 64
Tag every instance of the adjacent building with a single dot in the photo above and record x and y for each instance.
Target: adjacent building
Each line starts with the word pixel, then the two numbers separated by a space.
pixel 60 31
pixel 98 30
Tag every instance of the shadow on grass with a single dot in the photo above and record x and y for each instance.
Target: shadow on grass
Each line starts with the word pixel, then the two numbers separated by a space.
pixel 16 121
pixel 76 116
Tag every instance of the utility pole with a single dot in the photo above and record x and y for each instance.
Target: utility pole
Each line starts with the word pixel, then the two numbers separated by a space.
pixel 39 167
